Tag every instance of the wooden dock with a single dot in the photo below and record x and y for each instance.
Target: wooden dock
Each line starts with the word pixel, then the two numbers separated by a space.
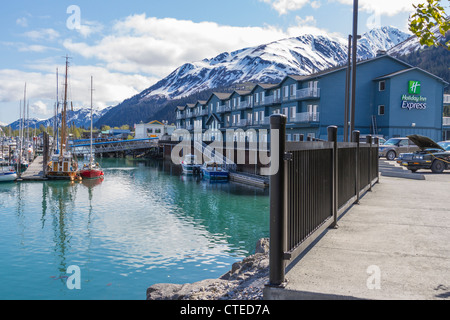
pixel 249 179
pixel 35 171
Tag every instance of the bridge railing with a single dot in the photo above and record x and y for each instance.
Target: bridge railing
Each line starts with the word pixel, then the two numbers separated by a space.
pixel 114 146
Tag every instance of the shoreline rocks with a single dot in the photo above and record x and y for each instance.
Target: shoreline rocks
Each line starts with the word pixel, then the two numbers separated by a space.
pixel 245 281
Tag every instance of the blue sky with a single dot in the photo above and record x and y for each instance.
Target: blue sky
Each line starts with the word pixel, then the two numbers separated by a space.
pixel 129 45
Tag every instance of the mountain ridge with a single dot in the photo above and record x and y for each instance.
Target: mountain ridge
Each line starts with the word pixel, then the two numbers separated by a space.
pixel 266 63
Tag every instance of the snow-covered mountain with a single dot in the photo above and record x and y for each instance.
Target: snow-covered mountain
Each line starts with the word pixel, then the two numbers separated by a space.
pixel 81 118
pixel 271 62
pixel 412 44
pixel 267 63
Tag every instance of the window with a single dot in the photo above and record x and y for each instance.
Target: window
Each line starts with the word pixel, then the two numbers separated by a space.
pixel 381 110
pixel 286 92
pixel 286 112
pixel 293 88
pixel 288 137
pixel 382 85
pixel 296 136
pixel 293 112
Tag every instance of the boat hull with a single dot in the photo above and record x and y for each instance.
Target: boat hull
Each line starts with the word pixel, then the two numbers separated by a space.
pixel 92 174
pixel 216 175
pixel 8 176
pixel 62 175
pixel 191 168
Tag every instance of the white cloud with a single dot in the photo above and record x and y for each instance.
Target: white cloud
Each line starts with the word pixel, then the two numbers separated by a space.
pixel 284 6
pixel 110 88
pixel 148 45
pixel 40 108
pixel 384 7
pixel 88 28
pixel 42 34
pixel 23 22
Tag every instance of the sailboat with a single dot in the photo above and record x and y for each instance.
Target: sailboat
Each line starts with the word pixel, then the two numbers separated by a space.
pixel 91 170
pixel 63 165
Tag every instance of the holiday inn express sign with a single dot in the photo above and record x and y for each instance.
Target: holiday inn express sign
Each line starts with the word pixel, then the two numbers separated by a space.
pixel 413 100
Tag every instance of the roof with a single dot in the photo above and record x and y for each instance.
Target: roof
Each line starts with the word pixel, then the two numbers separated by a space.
pixel 394 74
pixel 219 95
pixel 266 86
pixel 156 122
pixel 213 117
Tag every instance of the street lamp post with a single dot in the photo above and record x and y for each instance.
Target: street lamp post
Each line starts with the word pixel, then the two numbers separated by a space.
pixel 354 56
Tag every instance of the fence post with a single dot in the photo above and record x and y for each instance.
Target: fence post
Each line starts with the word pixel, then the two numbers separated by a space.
pixel 332 137
pixel 369 141
pixel 355 138
pixel 277 243
pixel 377 145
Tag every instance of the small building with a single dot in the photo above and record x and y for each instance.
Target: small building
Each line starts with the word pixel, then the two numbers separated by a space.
pixel 154 129
pixel 115 134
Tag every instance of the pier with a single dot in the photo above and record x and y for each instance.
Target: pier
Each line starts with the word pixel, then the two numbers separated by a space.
pixel 35 171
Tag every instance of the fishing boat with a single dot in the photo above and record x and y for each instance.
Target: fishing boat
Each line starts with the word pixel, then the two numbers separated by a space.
pixel 213 171
pixel 63 165
pixel 91 170
pixel 7 174
pixel 190 165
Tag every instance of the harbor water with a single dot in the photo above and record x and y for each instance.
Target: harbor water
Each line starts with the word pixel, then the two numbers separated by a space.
pixel 145 223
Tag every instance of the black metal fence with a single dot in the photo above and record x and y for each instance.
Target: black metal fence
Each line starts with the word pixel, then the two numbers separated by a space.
pixel 316 182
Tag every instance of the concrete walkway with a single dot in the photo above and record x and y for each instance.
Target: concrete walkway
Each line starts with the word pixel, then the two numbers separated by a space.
pixel 394 245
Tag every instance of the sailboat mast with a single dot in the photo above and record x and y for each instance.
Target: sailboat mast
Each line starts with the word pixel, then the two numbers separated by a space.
pixel 63 121
pixel 91 160
pixel 55 124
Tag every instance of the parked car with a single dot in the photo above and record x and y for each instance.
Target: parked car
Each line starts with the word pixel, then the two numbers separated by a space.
pixel 392 148
pixel 381 140
pixel 431 156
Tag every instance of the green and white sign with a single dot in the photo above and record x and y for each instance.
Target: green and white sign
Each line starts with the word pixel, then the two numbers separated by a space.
pixel 414 87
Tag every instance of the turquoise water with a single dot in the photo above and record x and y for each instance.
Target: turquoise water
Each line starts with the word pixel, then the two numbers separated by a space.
pixel 146 223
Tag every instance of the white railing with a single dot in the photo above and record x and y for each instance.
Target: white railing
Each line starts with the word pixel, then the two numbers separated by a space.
pixel 446 121
pixel 305 117
pixel 307 93
pixel 447 98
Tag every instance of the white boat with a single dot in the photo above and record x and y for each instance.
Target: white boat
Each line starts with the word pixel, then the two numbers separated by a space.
pixel 190 164
pixel 7 174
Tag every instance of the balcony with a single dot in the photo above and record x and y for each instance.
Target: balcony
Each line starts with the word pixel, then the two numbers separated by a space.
pixel 180 116
pixel 305 117
pixel 446 121
pixel 307 93
pixel 190 127
pixel 446 98
pixel 244 123
pixel 223 108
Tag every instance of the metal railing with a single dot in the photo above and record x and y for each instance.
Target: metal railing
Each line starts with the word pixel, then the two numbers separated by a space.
pixel 315 183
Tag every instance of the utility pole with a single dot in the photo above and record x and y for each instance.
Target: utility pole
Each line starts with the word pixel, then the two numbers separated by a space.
pixel 354 57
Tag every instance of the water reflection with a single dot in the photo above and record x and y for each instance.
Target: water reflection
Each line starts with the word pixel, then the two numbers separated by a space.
pixel 144 223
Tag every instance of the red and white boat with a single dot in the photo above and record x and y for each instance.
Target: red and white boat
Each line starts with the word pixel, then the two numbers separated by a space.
pixel 91 170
